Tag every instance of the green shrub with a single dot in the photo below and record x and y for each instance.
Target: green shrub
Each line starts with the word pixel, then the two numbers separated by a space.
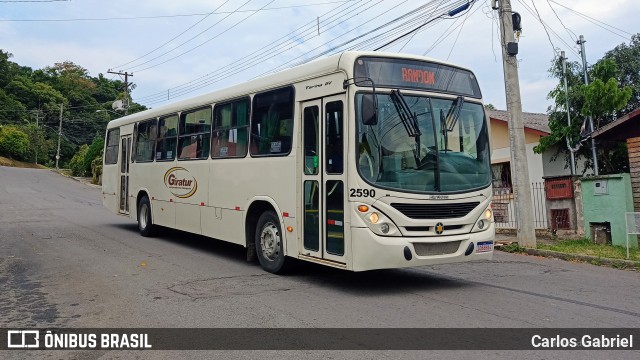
pixel 77 161
pixel 95 150
pixel 13 143
pixel 96 169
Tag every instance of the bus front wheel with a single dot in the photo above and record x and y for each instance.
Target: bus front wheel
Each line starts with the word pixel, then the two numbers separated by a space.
pixel 145 222
pixel 270 243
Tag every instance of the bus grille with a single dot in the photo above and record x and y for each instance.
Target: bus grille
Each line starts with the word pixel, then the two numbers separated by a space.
pixel 431 249
pixel 435 211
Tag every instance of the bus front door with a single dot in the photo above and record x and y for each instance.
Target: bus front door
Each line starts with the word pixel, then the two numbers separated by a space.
pixel 323 179
pixel 125 155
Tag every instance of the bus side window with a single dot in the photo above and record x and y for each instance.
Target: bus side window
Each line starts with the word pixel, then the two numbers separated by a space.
pixel 195 133
pixel 167 138
pixel 145 141
pixel 112 145
pixel 272 122
pixel 334 138
pixel 231 121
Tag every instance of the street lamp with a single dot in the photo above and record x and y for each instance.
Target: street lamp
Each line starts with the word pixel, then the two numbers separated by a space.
pixel 105 110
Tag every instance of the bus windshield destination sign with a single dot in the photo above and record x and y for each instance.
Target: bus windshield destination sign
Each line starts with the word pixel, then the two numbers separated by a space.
pixel 413 74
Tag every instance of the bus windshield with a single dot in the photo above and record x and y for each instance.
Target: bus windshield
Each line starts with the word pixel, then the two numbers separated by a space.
pixel 435 145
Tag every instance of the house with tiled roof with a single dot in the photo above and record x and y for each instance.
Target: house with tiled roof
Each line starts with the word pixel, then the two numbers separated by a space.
pixel 535 127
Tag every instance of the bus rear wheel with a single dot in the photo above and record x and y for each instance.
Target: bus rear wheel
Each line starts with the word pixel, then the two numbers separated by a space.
pixel 145 222
pixel 270 243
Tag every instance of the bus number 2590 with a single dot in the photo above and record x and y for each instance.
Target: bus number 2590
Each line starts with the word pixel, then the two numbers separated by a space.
pixel 362 193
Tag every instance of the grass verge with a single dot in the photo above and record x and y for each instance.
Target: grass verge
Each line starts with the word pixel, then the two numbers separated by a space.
pixel 586 247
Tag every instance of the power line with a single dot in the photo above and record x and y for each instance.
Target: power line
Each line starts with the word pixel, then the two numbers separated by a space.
pixel 442 36
pixel 173 38
pixel 231 72
pixel 573 36
pixel 544 27
pixel 549 28
pixel 259 55
pixel 460 31
pixel 31 1
pixel 414 34
pixel 151 17
pixel 596 21
pixel 220 75
pixel 186 42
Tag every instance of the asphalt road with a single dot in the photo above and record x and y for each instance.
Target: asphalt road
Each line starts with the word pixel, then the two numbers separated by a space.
pixel 65 261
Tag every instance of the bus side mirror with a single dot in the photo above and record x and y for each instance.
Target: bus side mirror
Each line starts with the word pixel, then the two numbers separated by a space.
pixel 369 109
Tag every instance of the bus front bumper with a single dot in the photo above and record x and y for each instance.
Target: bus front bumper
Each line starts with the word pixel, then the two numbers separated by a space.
pixel 371 251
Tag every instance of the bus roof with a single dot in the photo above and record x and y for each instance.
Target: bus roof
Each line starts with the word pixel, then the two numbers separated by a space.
pixel 343 61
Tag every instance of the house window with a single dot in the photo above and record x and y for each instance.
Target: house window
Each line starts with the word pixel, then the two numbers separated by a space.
pixel 501 178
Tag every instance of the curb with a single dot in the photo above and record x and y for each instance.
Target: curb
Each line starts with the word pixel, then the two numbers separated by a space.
pixel 617 263
pixel 78 179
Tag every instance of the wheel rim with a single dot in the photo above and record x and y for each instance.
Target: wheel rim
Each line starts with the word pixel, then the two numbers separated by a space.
pixel 270 241
pixel 144 212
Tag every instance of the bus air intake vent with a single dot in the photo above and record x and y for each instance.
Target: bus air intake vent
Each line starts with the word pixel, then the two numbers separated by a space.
pixel 431 249
pixel 435 211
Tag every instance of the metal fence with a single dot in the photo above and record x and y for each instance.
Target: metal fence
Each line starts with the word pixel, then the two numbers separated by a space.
pixel 504 207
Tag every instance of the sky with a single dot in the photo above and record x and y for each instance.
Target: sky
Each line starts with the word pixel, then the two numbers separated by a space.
pixel 179 49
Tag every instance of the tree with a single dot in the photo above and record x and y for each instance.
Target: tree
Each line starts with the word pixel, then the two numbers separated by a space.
pixel 489 107
pixel 627 59
pixel 37 143
pixel 601 99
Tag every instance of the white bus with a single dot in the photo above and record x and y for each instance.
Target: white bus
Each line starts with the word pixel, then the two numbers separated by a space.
pixel 360 161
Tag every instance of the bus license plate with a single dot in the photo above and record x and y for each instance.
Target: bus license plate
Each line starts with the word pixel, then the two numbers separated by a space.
pixel 484 246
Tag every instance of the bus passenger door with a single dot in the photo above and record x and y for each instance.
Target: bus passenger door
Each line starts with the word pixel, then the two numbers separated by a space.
pixel 323 179
pixel 125 155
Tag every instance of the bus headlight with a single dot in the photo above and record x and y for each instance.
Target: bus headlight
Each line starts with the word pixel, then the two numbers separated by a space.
pixel 374 217
pixel 378 222
pixel 484 222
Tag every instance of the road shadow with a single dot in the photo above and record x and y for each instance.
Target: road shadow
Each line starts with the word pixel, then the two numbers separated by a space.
pixel 373 282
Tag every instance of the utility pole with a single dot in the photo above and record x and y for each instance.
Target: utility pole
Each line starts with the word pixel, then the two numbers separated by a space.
pixel 59 135
pixel 126 87
pixel 37 139
pixel 519 168
pixel 594 153
pixel 566 92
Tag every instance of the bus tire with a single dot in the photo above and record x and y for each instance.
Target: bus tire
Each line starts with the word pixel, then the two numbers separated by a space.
pixel 269 243
pixel 145 220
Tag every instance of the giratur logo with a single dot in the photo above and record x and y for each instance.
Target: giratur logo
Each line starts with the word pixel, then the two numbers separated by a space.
pixel 180 182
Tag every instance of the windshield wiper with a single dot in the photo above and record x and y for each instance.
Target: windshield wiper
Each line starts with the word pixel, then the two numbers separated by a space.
pixel 409 119
pixel 449 122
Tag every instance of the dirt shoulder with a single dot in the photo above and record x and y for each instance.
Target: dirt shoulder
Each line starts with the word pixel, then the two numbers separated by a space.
pixel 20 164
